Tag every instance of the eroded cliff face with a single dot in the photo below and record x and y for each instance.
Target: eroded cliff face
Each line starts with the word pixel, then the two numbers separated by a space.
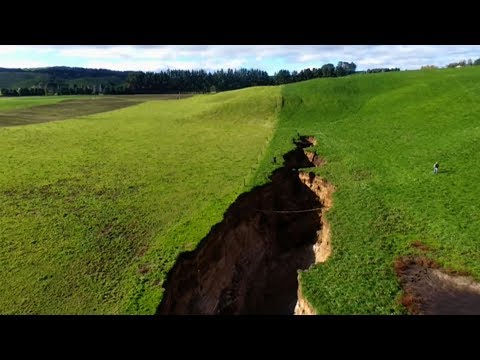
pixel 322 247
pixel 302 307
pixel 248 263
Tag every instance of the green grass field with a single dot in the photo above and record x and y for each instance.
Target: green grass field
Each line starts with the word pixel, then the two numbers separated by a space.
pixel 17 103
pixel 381 135
pixel 95 210
pixel 29 110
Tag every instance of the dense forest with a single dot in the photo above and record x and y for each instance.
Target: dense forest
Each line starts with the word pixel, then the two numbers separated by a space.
pixel 79 81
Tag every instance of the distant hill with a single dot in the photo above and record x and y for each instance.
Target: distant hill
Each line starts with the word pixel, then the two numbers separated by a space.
pixel 62 75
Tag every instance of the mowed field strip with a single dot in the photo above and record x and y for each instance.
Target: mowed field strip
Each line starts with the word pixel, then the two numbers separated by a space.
pixel 32 110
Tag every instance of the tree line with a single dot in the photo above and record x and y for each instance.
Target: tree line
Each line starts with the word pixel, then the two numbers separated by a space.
pixel 66 90
pixel 23 92
pixel 68 72
pixel 175 81
pixel 377 70
pixel 463 63
pixel 221 80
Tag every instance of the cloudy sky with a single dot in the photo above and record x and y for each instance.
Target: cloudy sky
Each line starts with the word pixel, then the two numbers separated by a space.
pixel 270 58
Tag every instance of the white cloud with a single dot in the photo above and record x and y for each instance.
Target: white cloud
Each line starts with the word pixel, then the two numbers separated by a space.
pixel 123 65
pixel 309 57
pixel 152 65
pixel 22 49
pixel 266 57
pixel 119 52
pixel 8 49
pixel 22 64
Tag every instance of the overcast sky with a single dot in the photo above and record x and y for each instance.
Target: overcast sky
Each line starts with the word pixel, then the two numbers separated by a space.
pixel 270 58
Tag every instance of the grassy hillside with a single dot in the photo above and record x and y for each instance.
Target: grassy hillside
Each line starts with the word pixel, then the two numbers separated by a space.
pixel 94 210
pixel 381 135
pixel 17 78
pixel 21 79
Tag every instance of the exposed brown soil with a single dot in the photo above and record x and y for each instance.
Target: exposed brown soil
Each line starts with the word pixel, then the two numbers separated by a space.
pixel 324 192
pixel 310 140
pixel 248 263
pixel 303 307
pixel 322 247
pixel 429 290
pixel 421 246
pixel 315 159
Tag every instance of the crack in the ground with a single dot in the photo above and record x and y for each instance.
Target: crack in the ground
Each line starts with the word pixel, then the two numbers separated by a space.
pixel 248 263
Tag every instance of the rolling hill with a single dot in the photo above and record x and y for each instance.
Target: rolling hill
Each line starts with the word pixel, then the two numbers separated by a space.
pixel 18 78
